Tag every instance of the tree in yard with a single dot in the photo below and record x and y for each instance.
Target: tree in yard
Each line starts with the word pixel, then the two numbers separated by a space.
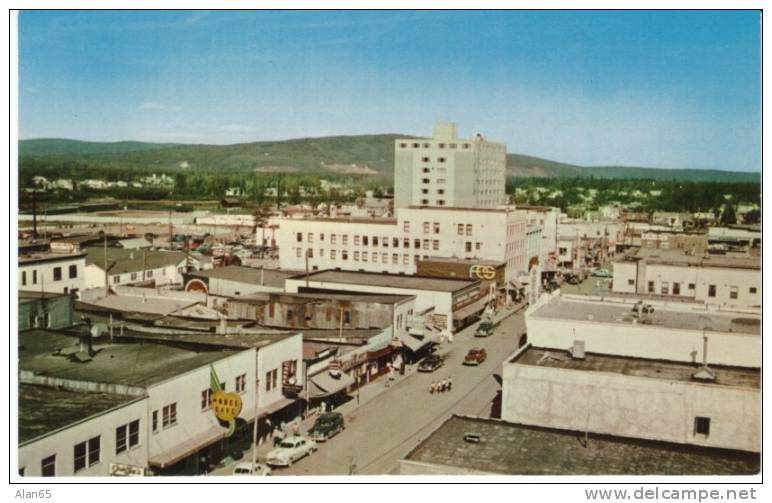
pixel 729 215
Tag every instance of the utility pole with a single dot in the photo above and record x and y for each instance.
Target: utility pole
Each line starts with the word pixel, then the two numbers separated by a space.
pixel 254 429
pixel 171 235
pixel 307 252
pixel 107 288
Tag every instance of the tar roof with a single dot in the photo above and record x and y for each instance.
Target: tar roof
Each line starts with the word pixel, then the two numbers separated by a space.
pixel 638 367
pixel 562 308
pixel 252 275
pixel 132 364
pixel 121 260
pixel 513 449
pixel 239 340
pixel 43 409
pixel 160 306
pixel 390 280
pixel 47 256
pixel 31 295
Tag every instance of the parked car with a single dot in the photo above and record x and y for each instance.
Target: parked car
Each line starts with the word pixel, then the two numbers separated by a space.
pixel 572 279
pixel 290 450
pixel 430 363
pixel 326 426
pixel 475 356
pixel 601 273
pixel 249 469
pixel 484 329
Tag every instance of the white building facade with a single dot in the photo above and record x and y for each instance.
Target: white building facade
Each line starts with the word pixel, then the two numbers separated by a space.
pixel 448 171
pixel 52 272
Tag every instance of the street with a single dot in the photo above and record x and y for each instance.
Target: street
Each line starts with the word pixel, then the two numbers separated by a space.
pixel 385 428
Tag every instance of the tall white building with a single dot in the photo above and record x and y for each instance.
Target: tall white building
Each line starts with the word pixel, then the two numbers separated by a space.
pixel 449 171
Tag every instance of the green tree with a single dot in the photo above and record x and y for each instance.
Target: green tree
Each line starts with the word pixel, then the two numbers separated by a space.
pixel 729 215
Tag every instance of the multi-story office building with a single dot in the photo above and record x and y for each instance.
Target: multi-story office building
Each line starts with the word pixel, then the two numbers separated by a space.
pixel 449 171
pixel 395 245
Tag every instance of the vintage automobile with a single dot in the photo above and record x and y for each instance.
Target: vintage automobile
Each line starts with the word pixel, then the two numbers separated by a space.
pixel 326 426
pixel 475 356
pixel 484 329
pixel 430 363
pixel 601 273
pixel 290 450
pixel 249 469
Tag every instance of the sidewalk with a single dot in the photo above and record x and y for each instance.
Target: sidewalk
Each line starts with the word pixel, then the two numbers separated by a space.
pixel 363 395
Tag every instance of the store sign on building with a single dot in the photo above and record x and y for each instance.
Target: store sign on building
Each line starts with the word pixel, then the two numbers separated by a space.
pixel 482 272
pixel 226 405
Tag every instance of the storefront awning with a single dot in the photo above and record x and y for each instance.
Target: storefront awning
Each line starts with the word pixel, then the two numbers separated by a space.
pixel 171 455
pixel 323 384
pixel 414 343
pixel 469 310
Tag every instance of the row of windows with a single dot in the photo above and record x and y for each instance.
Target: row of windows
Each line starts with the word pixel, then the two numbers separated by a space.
pixel 440 171
pixel 439 159
pixel 168 417
pixel 439 145
pixel 438 202
pixel 134 276
pixel 440 181
pixel 72 272
pixel 664 289
pixel 365 256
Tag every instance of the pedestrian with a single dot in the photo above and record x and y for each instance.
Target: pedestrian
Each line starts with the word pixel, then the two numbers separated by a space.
pixel 432 388
pixel 270 427
pixel 443 383
pixel 295 429
pixel 450 383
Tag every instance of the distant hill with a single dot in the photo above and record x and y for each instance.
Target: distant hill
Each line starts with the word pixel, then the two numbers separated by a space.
pixel 369 155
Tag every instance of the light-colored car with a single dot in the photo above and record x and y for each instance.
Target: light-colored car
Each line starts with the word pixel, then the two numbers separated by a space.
pixel 290 450
pixel 248 469
pixel 601 273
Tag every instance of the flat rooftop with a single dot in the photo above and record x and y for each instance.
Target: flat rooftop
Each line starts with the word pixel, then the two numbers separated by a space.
pixel 389 280
pixel 468 261
pixel 350 220
pixel 638 367
pixel 47 256
pixel 679 258
pixel 43 409
pixel 129 363
pixel 252 275
pixel 561 308
pixel 514 449
pixel 235 340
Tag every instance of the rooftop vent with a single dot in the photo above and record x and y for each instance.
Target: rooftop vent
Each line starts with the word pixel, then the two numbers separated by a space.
pixel 704 373
pixel 472 438
pixel 577 350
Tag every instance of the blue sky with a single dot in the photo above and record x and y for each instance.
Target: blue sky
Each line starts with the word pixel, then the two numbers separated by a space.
pixel 663 89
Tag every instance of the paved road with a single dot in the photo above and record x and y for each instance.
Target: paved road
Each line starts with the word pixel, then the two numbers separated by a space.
pixel 380 432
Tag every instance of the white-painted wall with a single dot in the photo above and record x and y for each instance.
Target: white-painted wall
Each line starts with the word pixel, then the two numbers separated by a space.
pixel 271 358
pixel 631 406
pixel 39 276
pixel 62 443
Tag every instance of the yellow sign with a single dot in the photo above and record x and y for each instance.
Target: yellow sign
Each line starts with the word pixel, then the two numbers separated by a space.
pixel 482 272
pixel 226 405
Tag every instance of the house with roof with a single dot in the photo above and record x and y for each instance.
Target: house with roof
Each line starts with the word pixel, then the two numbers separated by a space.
pixel 118 266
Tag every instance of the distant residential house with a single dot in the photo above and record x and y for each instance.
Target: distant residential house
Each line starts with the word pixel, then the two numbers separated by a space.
pixel 134 266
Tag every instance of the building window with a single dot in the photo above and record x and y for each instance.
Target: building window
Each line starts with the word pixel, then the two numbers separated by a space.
pixel 117 278
pixel 24 278
pixel 424 202
pixel 440 191
pixel 155 421
pixel 416 145
pixel 169 415
pixel 416 258
pixel 309 253
pixel 365 240
pixel 436 227
pixel 345 239
pixel 676 288
pixel 127 435
pixel 310 237
pixel 630 282
pixel 752 289
pixel 375 240
pixel 651 287
pixel 299 237
pixel 425 180
pixel 711 290
pixel 702 426
pixel 406 259
pixel 424 159
pixel 321 252
pixel 356 240
pixel 435 245
pixel 375 257
pixel 271 379
pixel 57 273
pixel 468 246
pixel 395 258
pixel 299 252
pixel 441 145
pixel 691 286
pixel 332 254
pixel 149 273
pixel 356 256
pixel 440 159
pixel 665 288
pixel 73 271
pixel 333 238
pixel 440 181
pixel 426 244
pixel 321 236
pixel 86 454
pixel 384 258
pixel 468 229
pixel 241 383
pixel 48 466
pixel 344 254
pixel 395 242
pixel 133 276
pixel 403 145
pixel 416 243
pixel 426 227
pixel 35 277
pixel 460 229
pixel 733 291
pixel 364 256
pixel 406 226
pixel 206 399
pixel 426 170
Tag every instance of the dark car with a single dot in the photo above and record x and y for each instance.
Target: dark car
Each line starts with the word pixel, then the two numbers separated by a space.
pixel 484 329
pixel 326 426
pixel 430 363
pixel 475 356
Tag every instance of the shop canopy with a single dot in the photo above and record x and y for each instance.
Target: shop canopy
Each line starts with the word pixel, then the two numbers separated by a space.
pixel 323 384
